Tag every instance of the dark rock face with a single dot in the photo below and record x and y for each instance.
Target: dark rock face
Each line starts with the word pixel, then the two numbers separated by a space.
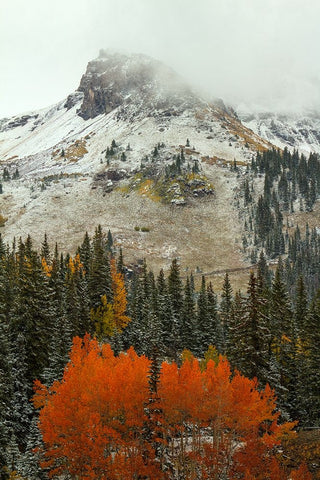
pixel 73 99
pixel 20 121
pixel 115 80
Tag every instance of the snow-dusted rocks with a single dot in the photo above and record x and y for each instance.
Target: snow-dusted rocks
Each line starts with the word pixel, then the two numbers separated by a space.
pixel 293 130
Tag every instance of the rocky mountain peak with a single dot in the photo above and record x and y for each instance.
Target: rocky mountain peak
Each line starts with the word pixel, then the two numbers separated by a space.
pixel 114 79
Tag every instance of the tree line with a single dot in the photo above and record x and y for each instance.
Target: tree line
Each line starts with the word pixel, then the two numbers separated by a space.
pixel 291 183
pixel 46 299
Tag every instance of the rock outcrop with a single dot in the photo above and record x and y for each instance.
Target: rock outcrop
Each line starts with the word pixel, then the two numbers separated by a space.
pixel 114 80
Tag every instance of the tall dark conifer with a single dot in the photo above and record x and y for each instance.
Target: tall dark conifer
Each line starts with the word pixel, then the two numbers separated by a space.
pixel 188 325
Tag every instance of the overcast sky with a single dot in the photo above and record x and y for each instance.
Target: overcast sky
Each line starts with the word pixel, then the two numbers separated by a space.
pixel 263 52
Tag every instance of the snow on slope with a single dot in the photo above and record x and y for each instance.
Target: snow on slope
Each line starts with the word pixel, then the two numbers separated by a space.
pixel 57 191
pixel 292 130
pixel 31 146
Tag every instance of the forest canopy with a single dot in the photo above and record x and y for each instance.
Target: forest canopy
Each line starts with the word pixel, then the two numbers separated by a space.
pixel 128 417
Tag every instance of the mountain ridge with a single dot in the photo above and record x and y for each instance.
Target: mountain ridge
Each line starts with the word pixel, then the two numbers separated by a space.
pixel 69 182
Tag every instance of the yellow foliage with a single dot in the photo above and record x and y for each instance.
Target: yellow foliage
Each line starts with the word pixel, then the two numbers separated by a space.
pixel 75 264
pixel 15 476
pixel 110 318
pixel 103 319
pixel 45 267
pixel 119 298
pixel 2 220
pixel 73 152
pixel 186 355
pixel 286 339
pixel 304 447
pixel 147 188
pixel 211 354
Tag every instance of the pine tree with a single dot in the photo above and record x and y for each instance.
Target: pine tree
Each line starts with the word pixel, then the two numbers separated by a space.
pixel 85 252
pixel 175 288
pixel 60 328
pixel 153 429
pixel 235 339
pixel 255 335
pixel 99 281
pixel 310 397
pixel 226 307
pixel 20 416
pixel 263 274
pixel 283 341
pixel 137 332
pixel 109 241
pixel 215 327
pixel 176 303
pixel 120 264
pixel 45 249
pixel 189 330
pixel 203 320
pixel 165 314
pixel 301 308
pixel 5 380
pixel 31 312
pixel 31 458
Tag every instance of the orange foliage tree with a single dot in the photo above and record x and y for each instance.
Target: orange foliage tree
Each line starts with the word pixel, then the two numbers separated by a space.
pixel 211 424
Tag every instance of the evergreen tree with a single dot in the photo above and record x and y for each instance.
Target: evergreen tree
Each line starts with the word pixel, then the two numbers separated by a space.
pixel 99 281
pixel 5 379
pixel 254 335
pixel 30 313
pixel 283 341
pixel 120 264
pixel 204 330
pixel 176 301
pixel 188 321
pixel 310 398
pixel 215 327
pixel 301 308
pixel 20 413
pixel 85 252
pixel 165 314
pixel 153 430
pixel 226 307
pixel 45 249
pixel 6 175
pixel 31 458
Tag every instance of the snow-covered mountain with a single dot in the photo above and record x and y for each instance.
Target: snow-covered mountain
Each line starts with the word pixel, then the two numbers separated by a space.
pixel 131 99
pixel 293 130
pixel 68 183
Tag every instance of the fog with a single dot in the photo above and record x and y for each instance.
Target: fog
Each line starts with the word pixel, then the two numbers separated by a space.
pixel 255 53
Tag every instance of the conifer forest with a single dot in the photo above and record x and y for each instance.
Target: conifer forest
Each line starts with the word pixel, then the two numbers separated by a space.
pixel 112 371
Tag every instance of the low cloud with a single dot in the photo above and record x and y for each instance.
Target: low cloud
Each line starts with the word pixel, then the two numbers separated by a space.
pixel 261 53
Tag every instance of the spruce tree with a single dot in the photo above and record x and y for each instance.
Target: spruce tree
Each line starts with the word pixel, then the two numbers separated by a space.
pixel 99 281
pixel 215 327
pixel 225 308
pixel 189 331
pixel 310 344
pixel 255 335
pixel 85 252
pixel 283 342
pixel 176 303
pixel 45 249
pixel 203 320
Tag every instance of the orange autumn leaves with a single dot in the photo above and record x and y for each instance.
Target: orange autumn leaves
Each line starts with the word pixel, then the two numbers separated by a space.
pixel 210 424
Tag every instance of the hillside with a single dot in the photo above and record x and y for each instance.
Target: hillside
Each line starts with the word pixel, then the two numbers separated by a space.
pixel 293 130
pixel 68 183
